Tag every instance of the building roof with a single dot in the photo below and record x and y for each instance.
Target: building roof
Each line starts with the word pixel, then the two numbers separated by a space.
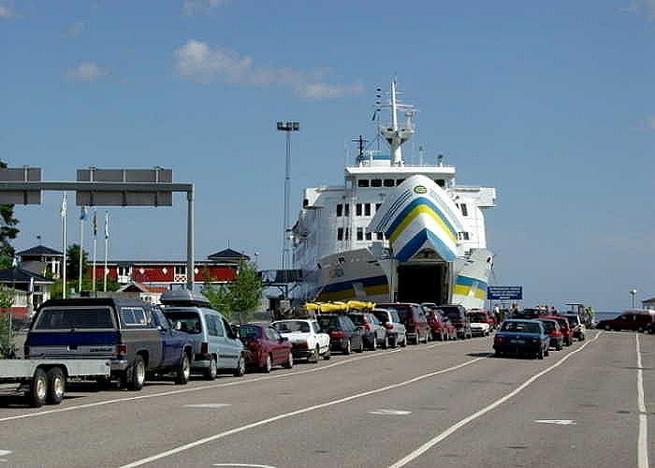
pixel 651 300
pixel 40 250
pixel 20 275
pixel 228 254
pixel 135 286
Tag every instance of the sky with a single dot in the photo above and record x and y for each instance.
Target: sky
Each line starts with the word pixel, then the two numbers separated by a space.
pixel 550 102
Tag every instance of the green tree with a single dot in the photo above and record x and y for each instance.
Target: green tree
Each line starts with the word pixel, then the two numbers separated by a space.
pixel 7 345
pixel 8 232
pixel 239 299
pixel 73 261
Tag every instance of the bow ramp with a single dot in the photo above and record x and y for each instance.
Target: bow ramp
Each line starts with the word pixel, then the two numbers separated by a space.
pixel 420 221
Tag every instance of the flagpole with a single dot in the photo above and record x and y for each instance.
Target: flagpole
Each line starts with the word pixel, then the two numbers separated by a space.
pixel 106 272
pixel 82 216
pixel 63 228
pixel 95 246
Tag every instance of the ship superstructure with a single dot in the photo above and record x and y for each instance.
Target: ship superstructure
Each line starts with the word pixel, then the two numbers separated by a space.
pixel 394 231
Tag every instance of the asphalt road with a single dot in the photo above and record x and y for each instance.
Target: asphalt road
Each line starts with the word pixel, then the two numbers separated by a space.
pixel 441 404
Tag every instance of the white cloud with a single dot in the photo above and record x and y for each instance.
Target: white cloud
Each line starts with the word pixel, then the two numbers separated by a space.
pixel 75 29
pixel 648 123
pixel 192 7
pixel 86 71
pixel 6 11
pixel 199 62
pixel 645 7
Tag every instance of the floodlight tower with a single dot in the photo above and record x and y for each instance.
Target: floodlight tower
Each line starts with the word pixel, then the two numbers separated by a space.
pixel 287 127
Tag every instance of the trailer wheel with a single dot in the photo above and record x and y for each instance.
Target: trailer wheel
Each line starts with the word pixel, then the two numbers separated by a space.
pixel 38 388
pixel 56 386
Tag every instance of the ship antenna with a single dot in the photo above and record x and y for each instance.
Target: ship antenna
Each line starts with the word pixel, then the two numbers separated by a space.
pixel 394 134
pixel 361 144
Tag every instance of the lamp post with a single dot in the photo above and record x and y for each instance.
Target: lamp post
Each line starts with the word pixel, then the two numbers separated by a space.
pixel 287 127
pixel 633 292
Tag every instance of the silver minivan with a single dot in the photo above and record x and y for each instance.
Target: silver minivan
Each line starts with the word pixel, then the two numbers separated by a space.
pixel 216 347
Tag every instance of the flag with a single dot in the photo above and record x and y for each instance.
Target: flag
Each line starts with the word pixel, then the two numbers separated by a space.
pixel 106 224
pixel 82 213
pixel 62 212
pixel 95 223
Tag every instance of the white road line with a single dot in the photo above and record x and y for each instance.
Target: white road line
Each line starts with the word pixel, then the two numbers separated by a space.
pixel 279 417
pixel 4 452
pixel 558 422
pixel 245 465
pixel 208 405
pixel 642 441
pixel 196 389
pixel 454 428
pixel 390 412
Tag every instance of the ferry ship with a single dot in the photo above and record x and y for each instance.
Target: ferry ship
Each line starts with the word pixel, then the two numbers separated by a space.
pixel 394 231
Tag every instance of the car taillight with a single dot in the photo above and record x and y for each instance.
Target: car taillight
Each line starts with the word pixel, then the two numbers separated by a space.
pixel 121 349
pixel 204 348
pixel 336 334
pixel 388 326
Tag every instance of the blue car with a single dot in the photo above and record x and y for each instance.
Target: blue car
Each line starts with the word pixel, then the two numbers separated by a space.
pixel 518 336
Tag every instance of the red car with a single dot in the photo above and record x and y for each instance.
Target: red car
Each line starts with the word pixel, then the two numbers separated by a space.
pixel 265 347
pixel 441 327
pixel 566 329
pixel 554 331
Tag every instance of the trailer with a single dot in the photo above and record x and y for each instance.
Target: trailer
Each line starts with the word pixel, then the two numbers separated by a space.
pixel 44 380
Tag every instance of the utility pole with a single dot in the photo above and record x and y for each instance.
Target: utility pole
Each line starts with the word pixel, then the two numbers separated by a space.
pixel 287 127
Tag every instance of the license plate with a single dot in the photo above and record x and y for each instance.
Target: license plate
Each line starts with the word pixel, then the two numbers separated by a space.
pixel 517 341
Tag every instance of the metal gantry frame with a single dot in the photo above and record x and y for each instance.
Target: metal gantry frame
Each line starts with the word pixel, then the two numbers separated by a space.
pixel 119 187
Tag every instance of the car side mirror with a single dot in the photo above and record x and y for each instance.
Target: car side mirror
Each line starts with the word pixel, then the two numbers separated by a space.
pixel 178 326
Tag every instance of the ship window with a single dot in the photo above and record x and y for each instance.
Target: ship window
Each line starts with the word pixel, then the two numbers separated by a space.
pixel 377 207
pixel 399 181
pixel 379 236
pixel 339 209
pixel 367 209
pixel 358 209
pixel 465 211
pixel 346 211
pixel 362 182
pixel 369 236
pixel 463 235
pixel 305 203
pixel 389 182
pixel 360 233
pixel 440 182
pixel 376 183
pixel 340 234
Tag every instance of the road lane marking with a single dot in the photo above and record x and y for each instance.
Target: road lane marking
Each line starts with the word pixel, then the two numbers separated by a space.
pixel 236 430
pixel 559 422
pixel 4 452
pixel 390 412
pixel 455 427
pixel 197 389
pixel 208 405
pixel 244 465
pixel 642 441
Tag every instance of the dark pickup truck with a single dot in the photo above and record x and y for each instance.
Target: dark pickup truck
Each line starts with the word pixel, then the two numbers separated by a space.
pixel 134 336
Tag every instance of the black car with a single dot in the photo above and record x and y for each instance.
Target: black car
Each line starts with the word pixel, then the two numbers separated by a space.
pixel 344 335
pixel 459 318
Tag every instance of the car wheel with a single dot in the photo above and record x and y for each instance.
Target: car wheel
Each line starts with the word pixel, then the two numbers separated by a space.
pixel 608 328
pixel 212 371
pixel 540 354
pixel 498 353
pixel 289 362
pixel 314 356
pixel 393 342
pixel 385 343
pixel 404 342
pixel 547 352
pixel 558 347
pixel 240 370
pixel 183 371
pixel 56 386
pixel 374 343
pixel 327 354
pixel 38 389
pixel 136 374
pixel 348 348
pixel 268 365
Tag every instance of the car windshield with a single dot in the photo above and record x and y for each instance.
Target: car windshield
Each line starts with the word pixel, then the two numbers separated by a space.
pixel 401 311
pixel 248 332
pixel 67 319
pixel 381 315
pixel 452 313
pixel 358 319
pixel 328 322
pixel 573 320
pixel 291 326
pixel 563 323
pixel 189 320
pixel 478 317
pixel 521 327
pixel 549 325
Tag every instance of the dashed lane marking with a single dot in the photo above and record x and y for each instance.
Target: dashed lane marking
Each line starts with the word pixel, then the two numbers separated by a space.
pixel 558 422
pixel 208 405
pixel 247 427
pixel 454 428
pixel 390 412
pixel 244 465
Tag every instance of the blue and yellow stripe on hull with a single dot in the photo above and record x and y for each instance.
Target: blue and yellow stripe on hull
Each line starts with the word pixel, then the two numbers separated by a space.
pixel 465 286
pixel 373 286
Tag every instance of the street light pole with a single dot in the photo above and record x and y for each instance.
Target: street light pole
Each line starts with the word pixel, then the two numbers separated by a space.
pixel 633 292
pixel 287 127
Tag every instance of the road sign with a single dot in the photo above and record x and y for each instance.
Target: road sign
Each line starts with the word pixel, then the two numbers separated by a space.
pixel 20 174
pixel 127 197
pixel 505 293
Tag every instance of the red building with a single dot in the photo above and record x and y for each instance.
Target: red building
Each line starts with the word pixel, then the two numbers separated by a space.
pixel 219 268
